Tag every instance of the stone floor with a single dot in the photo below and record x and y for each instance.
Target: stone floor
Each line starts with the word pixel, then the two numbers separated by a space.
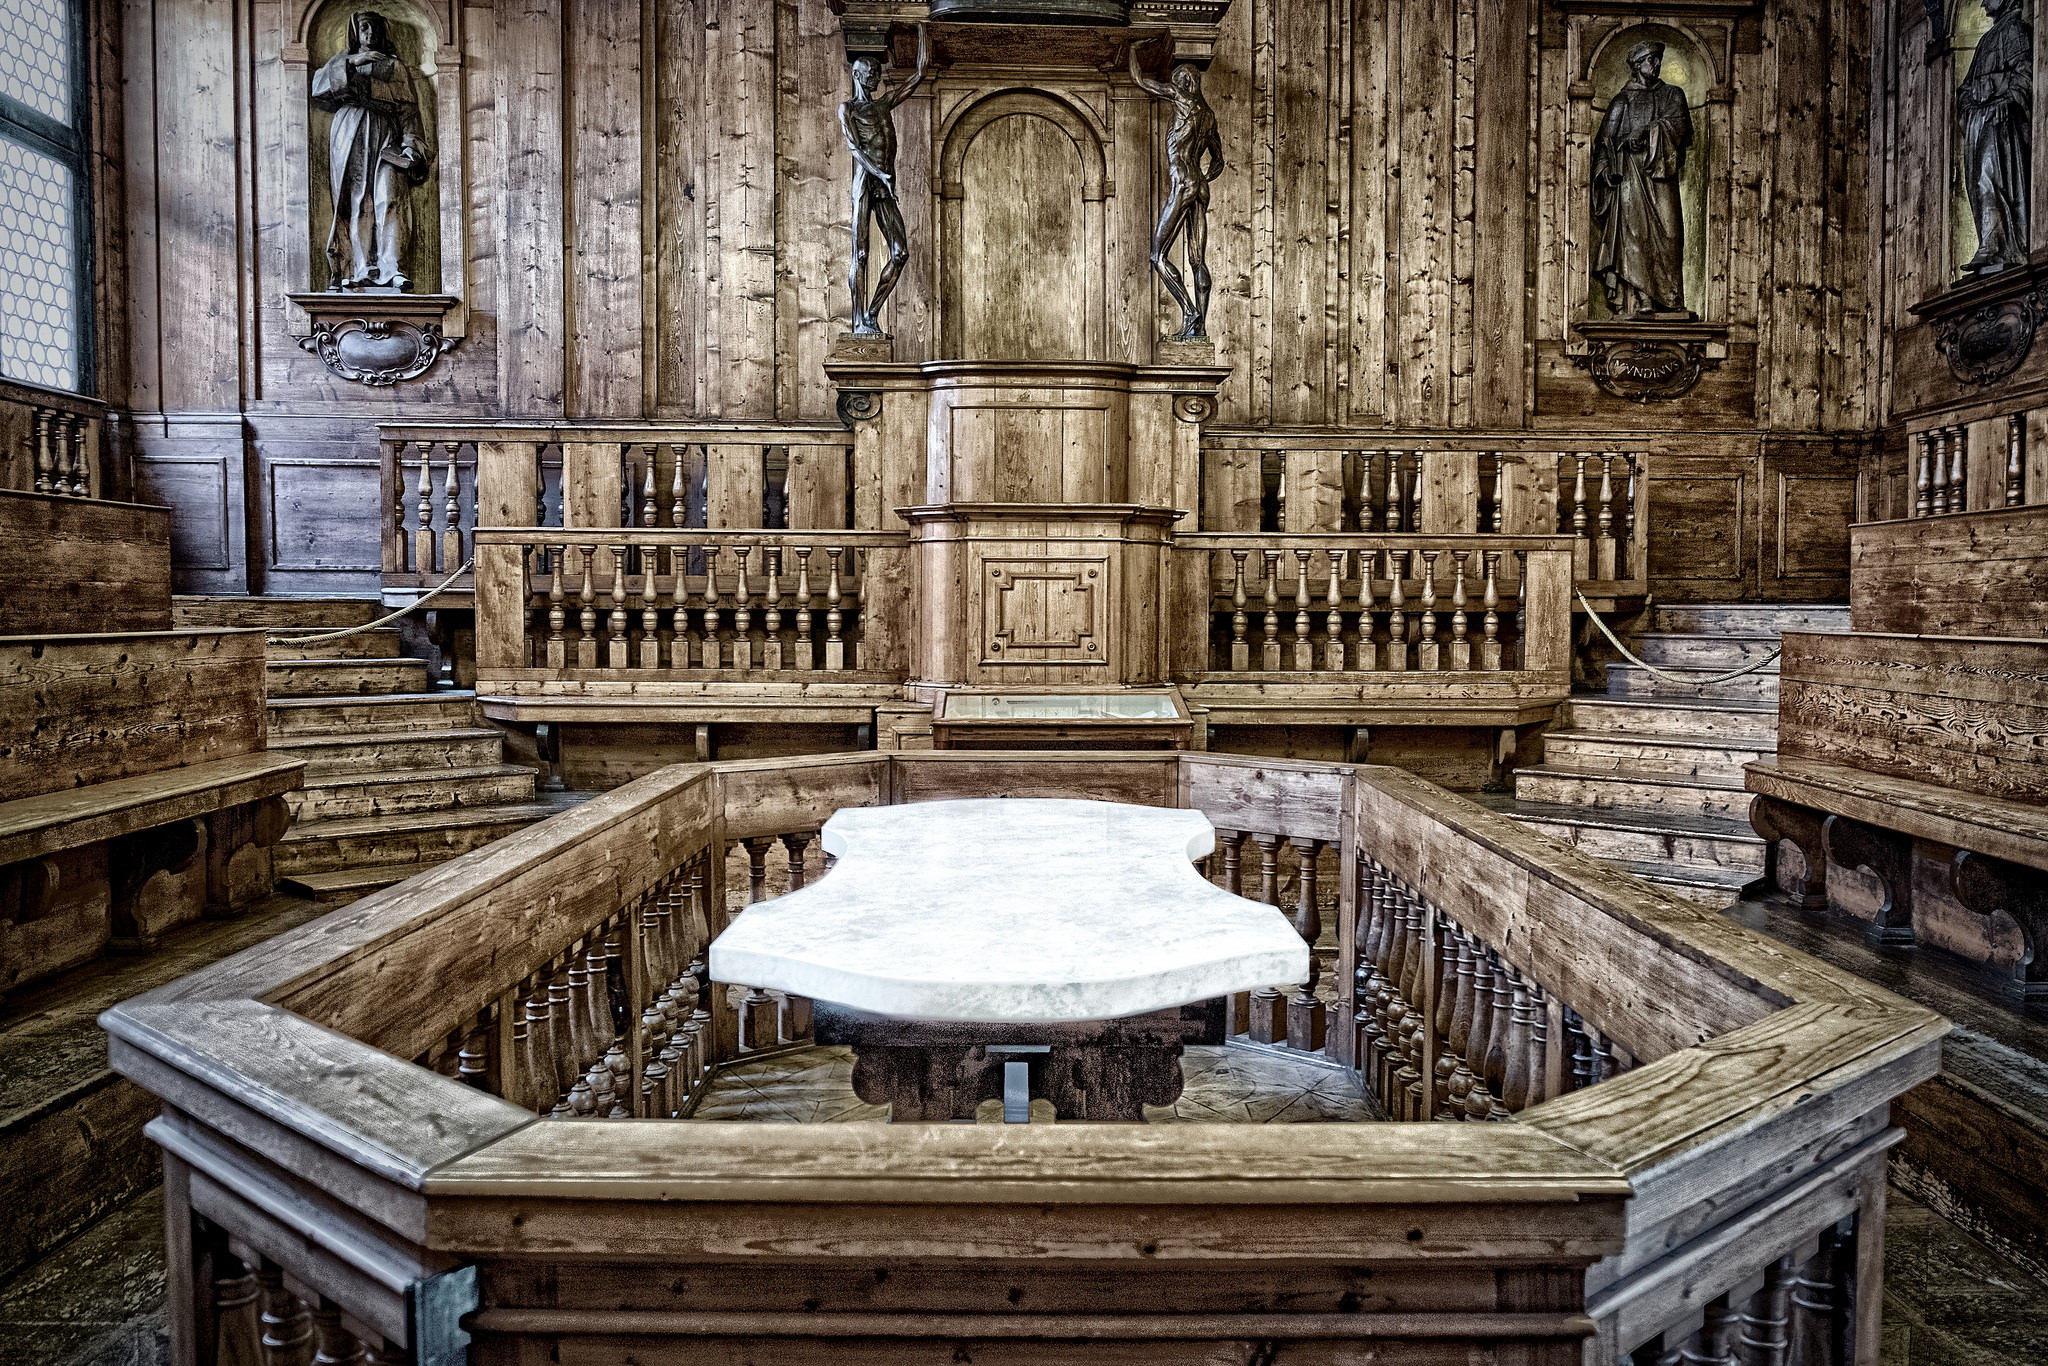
pixel 1224 1085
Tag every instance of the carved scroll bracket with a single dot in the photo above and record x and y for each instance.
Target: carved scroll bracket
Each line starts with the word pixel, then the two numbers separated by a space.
pixel 1649 362
pixel 858 405
pixel 376 339
pixel 1985 328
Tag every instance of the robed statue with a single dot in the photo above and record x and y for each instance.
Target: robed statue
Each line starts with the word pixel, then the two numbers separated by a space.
pixel 376 152
pixel 1638 157
pixel 1194 157
pixel 1996 105
pixel 869 122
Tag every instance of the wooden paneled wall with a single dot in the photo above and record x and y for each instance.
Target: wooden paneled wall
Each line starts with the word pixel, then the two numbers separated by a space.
pixel 652 202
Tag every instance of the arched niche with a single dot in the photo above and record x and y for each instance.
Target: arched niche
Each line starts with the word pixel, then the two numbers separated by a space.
pixel 1022 276
pixel 1687 66
pixel 307 32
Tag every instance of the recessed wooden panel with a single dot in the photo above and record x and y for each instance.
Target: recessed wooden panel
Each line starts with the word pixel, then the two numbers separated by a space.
pixel 1812 526
pixel 1980 574
pixel 1697 523
pixel 315 520
pixel 1044 611
pixel 1025 256
pixel 195 489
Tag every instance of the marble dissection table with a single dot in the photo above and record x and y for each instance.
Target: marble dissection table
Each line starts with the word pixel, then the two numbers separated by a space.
pixel 965 948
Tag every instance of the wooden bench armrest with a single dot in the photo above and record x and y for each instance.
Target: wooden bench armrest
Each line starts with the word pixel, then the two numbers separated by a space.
pixel 1998 826
pixel 35 827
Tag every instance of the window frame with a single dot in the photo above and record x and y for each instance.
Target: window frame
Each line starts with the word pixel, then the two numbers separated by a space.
pixel 70 145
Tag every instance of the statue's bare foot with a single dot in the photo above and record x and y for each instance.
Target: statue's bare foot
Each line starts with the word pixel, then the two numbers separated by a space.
pixel 866 327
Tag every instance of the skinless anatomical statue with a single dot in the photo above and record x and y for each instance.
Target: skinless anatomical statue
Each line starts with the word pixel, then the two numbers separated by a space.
pixel 1996 104
pixel 1194 157
pixel 376 151
pixel 869 122
pixel 1637 160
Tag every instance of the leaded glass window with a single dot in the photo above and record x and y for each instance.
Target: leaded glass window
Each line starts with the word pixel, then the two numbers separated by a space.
pixel 44 275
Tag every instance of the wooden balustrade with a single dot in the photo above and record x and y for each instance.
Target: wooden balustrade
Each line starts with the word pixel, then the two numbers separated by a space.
pixel 1337 607
pixel 662 603
pixel 1737 1093
pixel 53 442
pixel 444 480
pixel 1301 484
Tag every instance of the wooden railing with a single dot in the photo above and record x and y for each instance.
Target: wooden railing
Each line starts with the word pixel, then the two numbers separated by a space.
pixel 344 1189
pixel 1941 478
pixel 1260 481
pixel 631 605
pixel 54 440
pixel 1388 604
pixel 443 480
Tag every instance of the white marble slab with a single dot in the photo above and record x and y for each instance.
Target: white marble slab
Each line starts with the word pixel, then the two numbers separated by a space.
pixel 1025 911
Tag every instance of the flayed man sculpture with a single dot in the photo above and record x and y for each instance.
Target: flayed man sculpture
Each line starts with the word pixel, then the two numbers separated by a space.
pixel 1996 105
pixel 376 152
pixel 1638 157
pixel 1194 157
pixel 869 122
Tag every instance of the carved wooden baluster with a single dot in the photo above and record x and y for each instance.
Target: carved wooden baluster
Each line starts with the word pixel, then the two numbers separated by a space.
pixel 678 510
pixel 42 446
pixel 1941 444
pixel 796 1010
pixel 1233 852
pixel 1579 518
pixel 1479 1100
pixel 804 656
pixel 1394 1019
pixel 1270 655
pixel 675 1086
pixel 1539 1044
pixel 714 611
pixel 583 1044
pixel 1522 608
pixel 598 1083
pixel 1428 654
pixel 649 514
pixel 1415 495
pixel 1821 1303
pixel 1603 548
pixel 1923 478
pixel 423 533
pixel 618 644
pixel 2015 460
pixel 1269 1004
pixel 1333 618
pixel 1959 470
pixel 1307 1021
pixel 1240 649
pixel 1365 972
pixel 237 1313
pixel 1461 648
pixel 473 1062
pixel 1489 644
pixel 1397 621
pixel 1501 485
pixel 81 465
pixel 650 607
pixel 539 1061
pixel 1497 1044
pixel 1458 1039
pixel 568 1066
pixel 743 616
pixel 1515 1079
pixel 1628 507
pixel 452 557
pixel 1767 1315
pixel 771 620
pixel 1407 1080
pixel 1304 653
pixel 287 1323
pixel 1443 971
pixel 597 966
pixel 835 648
pixel 1368 653
pixel 654 1090
pixel 558 644
pixel 586 597
pixel 1579 1066
pixel 1395 521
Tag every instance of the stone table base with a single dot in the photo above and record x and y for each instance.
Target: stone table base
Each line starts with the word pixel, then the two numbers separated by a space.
pixel 944 1070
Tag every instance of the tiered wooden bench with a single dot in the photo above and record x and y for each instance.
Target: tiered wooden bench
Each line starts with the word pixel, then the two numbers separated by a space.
pixel 142 797
pixel 1919 759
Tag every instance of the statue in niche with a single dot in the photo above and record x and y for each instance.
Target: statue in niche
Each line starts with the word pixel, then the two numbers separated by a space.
pixel 1996 104
pixel 376 152
pixel 1194 157
pixel 869 122
pixel 1637 159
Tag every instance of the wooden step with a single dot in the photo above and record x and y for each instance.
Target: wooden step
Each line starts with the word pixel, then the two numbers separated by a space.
pixel 1629 680
pixel 343 795
pixel 1668 650
pixel 1630 792
pixel 1717 888
pixel 1737 722
pixel 343 677
pixel 1749 618
pixel 1674 755
pixel 382 643
pixel 276 612
pixel 325 846
pixel 389 714
pixel 1682 840
pixel 375 752
pixel 351 884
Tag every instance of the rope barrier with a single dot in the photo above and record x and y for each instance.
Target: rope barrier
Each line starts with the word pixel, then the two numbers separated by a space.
pixel 417 602
pixel 1629 655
